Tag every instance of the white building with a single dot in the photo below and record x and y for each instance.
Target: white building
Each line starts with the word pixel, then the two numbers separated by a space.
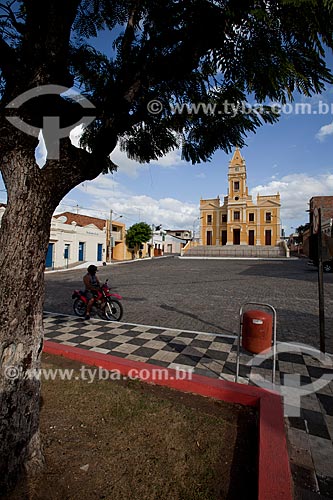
pixel 76 238
pixel 183 234
pixel 164 243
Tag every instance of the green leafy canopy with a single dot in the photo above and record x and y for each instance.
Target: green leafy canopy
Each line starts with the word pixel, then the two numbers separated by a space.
pixel 137 234
pixel 176 52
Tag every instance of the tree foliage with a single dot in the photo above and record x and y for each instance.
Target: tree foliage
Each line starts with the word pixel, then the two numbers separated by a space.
pixel 300 230
pixel 137 234
pixel 208 51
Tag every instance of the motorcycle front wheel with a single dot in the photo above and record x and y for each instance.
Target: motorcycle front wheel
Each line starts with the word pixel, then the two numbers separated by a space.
pixel 113 310
pixel 79 307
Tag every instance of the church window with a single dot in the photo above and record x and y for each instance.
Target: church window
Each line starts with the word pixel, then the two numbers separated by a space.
pixel 251 217
pixel 268 216
pixel 209 219
pixel 236 215
pixel 236 185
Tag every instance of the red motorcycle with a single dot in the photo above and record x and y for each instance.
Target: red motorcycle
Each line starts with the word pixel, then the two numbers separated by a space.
pixel 107 304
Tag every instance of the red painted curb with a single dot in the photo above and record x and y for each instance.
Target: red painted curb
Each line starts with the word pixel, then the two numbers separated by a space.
pixel 274 480
pixel 274 477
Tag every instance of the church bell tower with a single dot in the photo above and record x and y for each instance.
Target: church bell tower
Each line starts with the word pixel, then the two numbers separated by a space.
pixel 237 178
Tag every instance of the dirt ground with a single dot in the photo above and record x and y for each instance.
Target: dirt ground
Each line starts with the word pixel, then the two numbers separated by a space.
pixel 127 440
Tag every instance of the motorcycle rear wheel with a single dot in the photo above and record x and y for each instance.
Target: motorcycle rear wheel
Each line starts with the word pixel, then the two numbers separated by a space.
pixel 79 307
pixel 113 310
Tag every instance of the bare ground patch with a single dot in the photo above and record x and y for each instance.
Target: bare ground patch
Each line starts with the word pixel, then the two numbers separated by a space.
pixel 126 440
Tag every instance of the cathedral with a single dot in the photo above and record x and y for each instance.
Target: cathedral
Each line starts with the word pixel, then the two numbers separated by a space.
pixel 240 221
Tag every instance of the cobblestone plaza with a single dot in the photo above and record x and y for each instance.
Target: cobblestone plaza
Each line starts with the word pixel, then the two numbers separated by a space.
pixel 206 295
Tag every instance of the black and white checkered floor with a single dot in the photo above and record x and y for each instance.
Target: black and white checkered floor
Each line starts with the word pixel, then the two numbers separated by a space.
pixel 310 435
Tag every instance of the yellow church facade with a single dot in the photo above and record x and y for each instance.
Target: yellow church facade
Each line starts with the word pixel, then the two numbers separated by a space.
pixel 240 221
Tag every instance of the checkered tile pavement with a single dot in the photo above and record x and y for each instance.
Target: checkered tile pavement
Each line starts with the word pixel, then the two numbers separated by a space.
pixel 310 435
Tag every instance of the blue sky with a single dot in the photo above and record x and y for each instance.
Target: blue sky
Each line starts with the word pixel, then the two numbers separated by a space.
pixel 293 156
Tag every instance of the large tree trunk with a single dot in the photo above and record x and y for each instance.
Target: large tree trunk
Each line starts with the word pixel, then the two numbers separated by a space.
pixel 33 195
pixel 24 238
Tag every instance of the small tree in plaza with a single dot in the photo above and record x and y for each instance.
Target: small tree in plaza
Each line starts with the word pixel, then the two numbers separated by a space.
pixel 160 57
pixel 137 235
pixel 300 230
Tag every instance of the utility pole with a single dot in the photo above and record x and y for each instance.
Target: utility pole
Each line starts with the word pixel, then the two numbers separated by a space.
pixel 110 236
pixel 321 285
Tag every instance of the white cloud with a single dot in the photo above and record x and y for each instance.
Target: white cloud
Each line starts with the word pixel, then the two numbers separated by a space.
pixel 295 191
pixel 132 168
pixel 103 187
pixel 104 193
pixel 171 159
pixel 126 165
pixel 324 131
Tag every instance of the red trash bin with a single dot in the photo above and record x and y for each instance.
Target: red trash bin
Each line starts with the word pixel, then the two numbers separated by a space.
pixel 257 331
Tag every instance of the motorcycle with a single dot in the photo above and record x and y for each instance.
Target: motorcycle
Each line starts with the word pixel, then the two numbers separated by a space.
pixel 107 304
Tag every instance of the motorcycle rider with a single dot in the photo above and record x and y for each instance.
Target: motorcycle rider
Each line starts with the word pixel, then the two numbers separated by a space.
pixel 92 285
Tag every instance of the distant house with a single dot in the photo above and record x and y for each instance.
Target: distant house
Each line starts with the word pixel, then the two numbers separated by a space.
pixel 163 243
pixel 76 238
pixel 80 220
pixel 184 234
pixel 119 250
pixel 325 204
pixel 174 244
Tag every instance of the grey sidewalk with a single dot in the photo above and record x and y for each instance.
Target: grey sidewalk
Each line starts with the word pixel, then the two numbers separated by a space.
pixel 310 435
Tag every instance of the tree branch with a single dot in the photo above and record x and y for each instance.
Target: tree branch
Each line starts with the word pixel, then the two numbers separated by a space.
pixel 7 58
pixel 75 166
pixel 47 40
pixel 20 27
pixel 129 34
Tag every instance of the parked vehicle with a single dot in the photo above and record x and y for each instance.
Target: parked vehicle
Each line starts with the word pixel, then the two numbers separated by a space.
pixel 328 266
pixel 107 304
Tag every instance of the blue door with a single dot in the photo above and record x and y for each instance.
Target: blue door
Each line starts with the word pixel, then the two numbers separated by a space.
pixel 66 251
pixel 81 251
pixel 49 256
pixel 99 251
